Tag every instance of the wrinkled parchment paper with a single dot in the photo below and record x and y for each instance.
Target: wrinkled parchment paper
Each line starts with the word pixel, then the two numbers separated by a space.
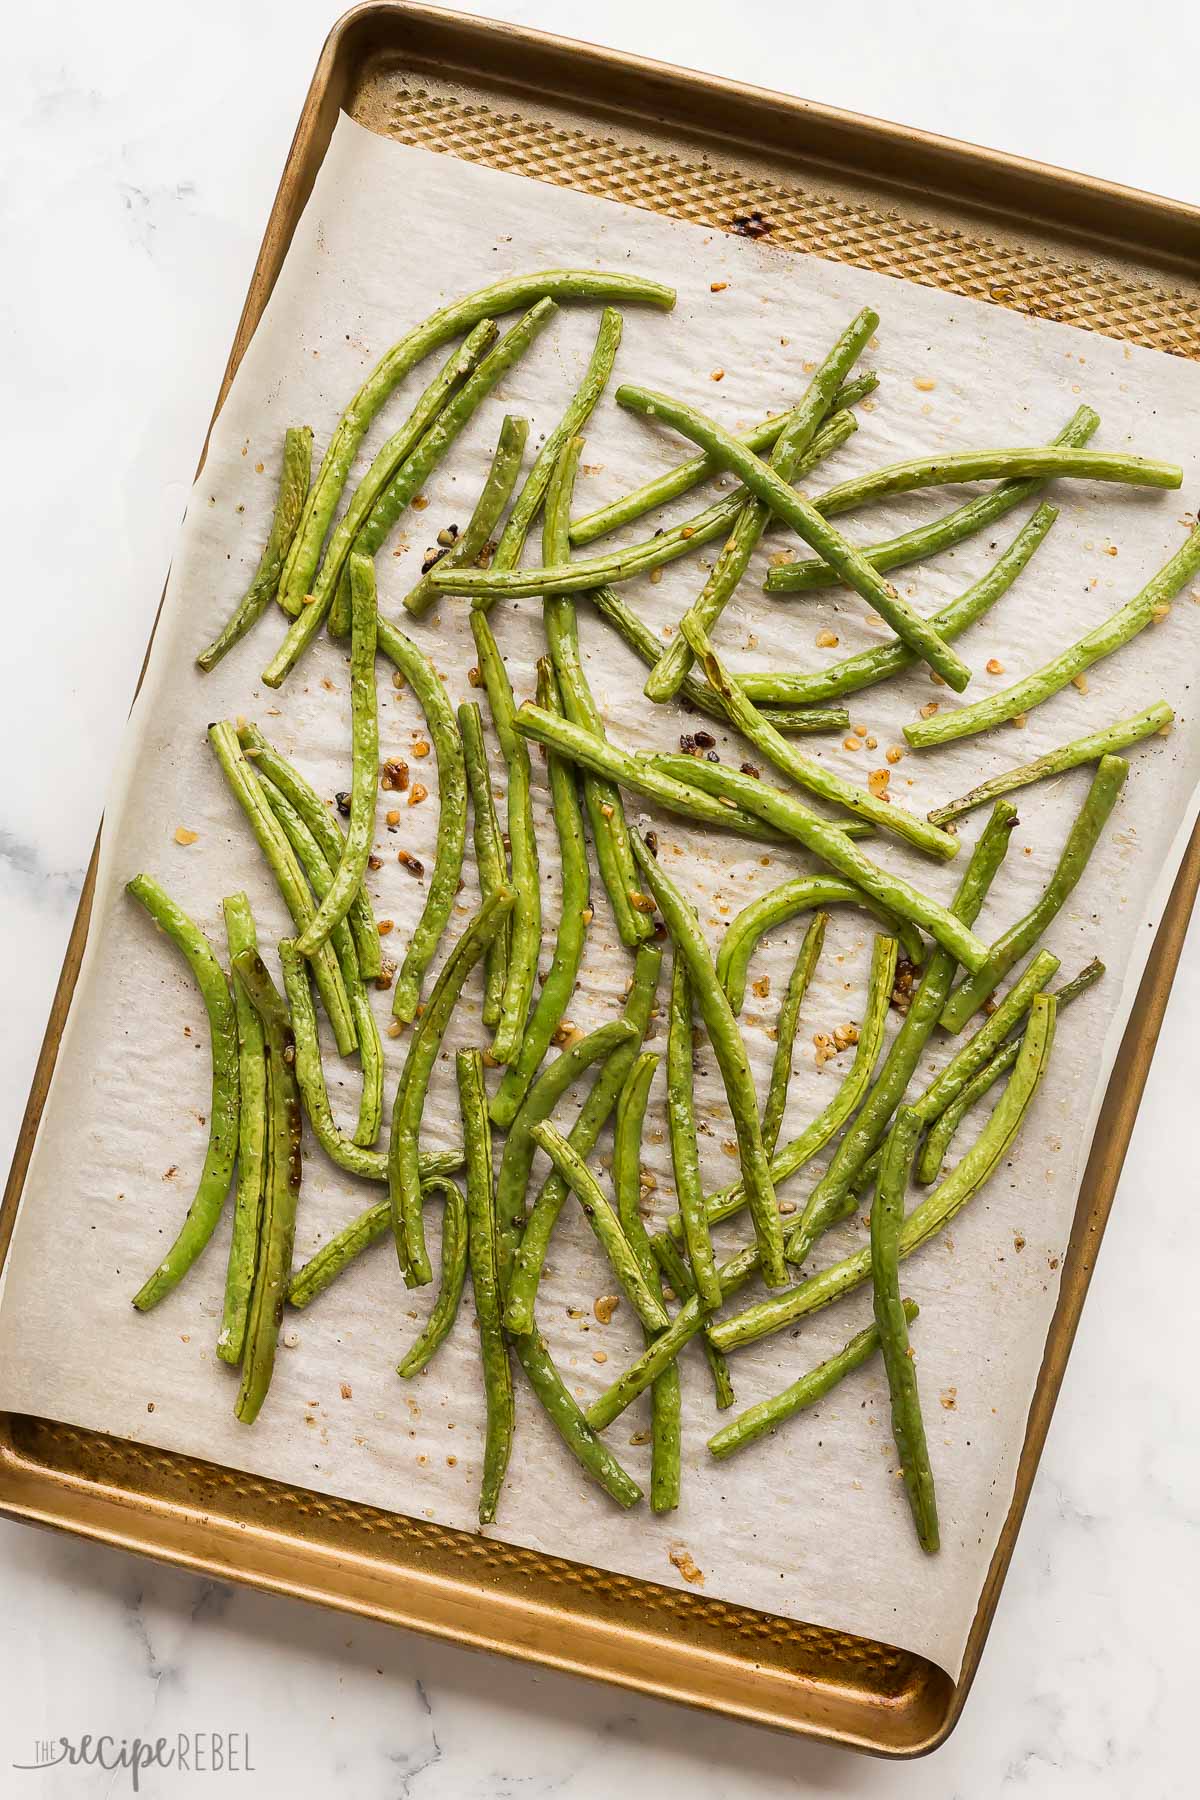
pixel 812 1523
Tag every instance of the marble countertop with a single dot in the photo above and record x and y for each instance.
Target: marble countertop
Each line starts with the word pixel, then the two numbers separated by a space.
pixel 141 148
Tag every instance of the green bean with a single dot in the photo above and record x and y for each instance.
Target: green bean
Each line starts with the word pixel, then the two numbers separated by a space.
pixel 746 929
pixel 521 1262
pixel 1119 736
pixel 485 1279
pixel 390 457
pixel 665 1397
pixel 732 1060
pixel 943 1128
pixel 604 1222
pixel 520 1148
pixel 281 859
pixel 438 329
pixel 325 829
pixel 606 813
pixel 926 1219
pixel 571 1423
pixel 839 424
pixel 346 1152
pixel 404 1188
pixel 494 496
pixel 223 1112
pixel 1054 675
pixel 812 1386
pixel 348 876
pixel 1084 835
pixel 807 957
pixel 681 1129
pixel 679 1279
pixel 281 1188
pixel 696 695
pixel 1037 464
pixel 426 684
pixel 251 1142
pixel 408 480
pixel 666 677
pixel 526 931
pixel 834 848
pixel 807 522
pixel 491 862
pixel 308 854
pixel 982 1044
pixel 952 528
pixel 371 1225
pixel 869 667
pixel 289 501
pixel 559 985
pixel 833 1195
pixel 454 1274
pixel 813 776
pixel 908 1426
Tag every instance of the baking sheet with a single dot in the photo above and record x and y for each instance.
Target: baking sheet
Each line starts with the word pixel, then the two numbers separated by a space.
pixel 811 1524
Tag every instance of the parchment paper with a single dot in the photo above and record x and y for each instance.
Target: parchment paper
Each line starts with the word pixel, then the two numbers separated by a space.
pixel 813 1523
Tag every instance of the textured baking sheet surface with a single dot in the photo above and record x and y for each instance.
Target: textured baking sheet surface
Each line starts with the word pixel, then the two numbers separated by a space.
pixel 811 1524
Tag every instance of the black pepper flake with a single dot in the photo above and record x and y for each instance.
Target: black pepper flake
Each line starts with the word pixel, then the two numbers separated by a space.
pixel 651 842
pixel 705 740
pixel 712 756
pixel 343 803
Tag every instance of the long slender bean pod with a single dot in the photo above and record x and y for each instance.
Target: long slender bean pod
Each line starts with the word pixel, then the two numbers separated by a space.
pixel 521 1262
pixel 289 503
pixel 982 1045
pixel 593 1456
pixel 807 773
pixel 807 957
pixel 525 939
pixel 426 684
pixel 485 1279
pixel 454 1274
pixel 1103 640
pixel 908 1425
pixel 665 1395
pixel 746 930
pixel 281 1187
pixel 681 1130
pixel 251 1142
pixel 494 496
pixel 559 985
pixel 667 676
pixel 1082 839
pixel 281 860
pixel 1036 464
pixel 1087 749
pixel 205 1209
pixel 953 528
pixel 812 1386
pixel 680 1280
pixel 926 1219
pixel 346 1152
pixel 732 1061
pixel 491 861
pixel 440 328
pixel 404 1183
pixel 604 1222
pixel 367 1228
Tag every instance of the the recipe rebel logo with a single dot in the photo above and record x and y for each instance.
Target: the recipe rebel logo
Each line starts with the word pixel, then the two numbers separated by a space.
pixel 190 1752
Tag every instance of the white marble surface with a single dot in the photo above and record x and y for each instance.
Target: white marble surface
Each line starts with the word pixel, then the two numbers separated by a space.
pixel 141 146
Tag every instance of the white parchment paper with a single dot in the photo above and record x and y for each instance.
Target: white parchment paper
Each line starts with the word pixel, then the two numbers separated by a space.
pixel 812 1523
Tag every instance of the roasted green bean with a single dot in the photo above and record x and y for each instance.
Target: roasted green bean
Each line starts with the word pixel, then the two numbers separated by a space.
pixel 346 1152
pixel 681 1130
pixel 454 1274
pixel 481 1241
pixel 680 1280
pixel 604 1222
pixel 251 1141
pixel 592 1454
pixel 494 496
pixel 746 929
pixel 289 503
pixel 491 861
pixel 371 1225
pixel 775 1104
pixel 1036 464
pixel 908 1426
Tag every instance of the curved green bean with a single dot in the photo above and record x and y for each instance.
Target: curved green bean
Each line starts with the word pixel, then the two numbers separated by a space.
pixel 281 1188
pixel 1088 749
pixel 746 930
pixel 485 1279
pixel 374 1223
pixel 807 958
pixel 604 1222
pixel 491 861
pixel 251 1141
pixel 812 1386
pixel 592 1454
pixel 908 1426
pixel 281 859
pixel 426 684
pixel 666 677
pixel 1054 675
pixel 404 1185
pixel 559 985
pixel 1037 464
pixel 493 498
pixel 454 1274
pixel 732 1061
pixel 346 1152
pixel 953 528
pixel 205 1209
pixel 1082 839
pixel 681 1131
pixel 679 1280
pixel 289 502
